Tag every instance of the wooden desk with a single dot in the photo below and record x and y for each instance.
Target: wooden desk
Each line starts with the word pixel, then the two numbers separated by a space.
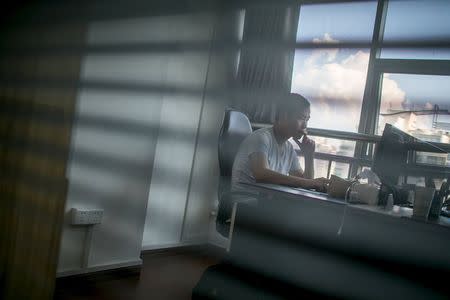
pixel 269 191
pixel 351 251
pixel 402 212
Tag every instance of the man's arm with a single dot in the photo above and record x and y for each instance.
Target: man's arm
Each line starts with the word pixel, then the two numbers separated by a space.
pixel 307 147
pixel 309 169
pixel 262 173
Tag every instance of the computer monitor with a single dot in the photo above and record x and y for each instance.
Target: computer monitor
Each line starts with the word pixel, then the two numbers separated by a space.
pixel 390 161
pixel 391 154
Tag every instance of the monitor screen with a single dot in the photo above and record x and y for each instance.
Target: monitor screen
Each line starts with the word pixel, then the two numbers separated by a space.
pixel 391 155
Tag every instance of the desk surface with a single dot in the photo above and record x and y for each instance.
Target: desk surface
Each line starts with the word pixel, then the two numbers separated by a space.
pixel 397 211
pixel 351 251
pixel 402 212
pixel 295 191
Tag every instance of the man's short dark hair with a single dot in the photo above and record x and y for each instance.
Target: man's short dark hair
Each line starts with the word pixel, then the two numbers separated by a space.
pixel 291 105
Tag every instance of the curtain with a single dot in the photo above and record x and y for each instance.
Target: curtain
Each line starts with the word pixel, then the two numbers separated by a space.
pixel 265 67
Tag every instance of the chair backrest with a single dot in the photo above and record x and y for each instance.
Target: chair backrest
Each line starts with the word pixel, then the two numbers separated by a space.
pixel 235 128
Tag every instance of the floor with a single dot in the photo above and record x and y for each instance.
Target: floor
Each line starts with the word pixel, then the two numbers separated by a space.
pixel 168 275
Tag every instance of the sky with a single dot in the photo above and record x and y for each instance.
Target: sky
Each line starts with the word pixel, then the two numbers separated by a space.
pixel 324 75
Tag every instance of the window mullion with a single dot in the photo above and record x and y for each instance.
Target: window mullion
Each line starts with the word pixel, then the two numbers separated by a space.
pixel 371 89
pixel 370 104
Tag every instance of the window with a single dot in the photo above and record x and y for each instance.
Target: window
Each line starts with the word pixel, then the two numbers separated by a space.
pixel 361 69
pixel 333 79
pixel 418 105
pixel 340 169
pixel 418 22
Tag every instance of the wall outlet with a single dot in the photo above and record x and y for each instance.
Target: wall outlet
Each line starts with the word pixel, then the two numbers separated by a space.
pixel 86 216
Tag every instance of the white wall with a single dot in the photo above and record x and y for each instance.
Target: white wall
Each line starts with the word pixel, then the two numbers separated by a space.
pixel 171 172
pixel 144 148
pixel 185 176
pixel 118 134
pixel 176 144
pixel 199 224
pixel 110 169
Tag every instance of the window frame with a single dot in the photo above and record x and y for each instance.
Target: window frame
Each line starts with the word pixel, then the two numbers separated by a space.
pixel 377 66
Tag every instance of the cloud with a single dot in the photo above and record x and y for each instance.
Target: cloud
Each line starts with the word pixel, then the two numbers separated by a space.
pixel 327 54
pixel 335 84
pixel 392 97
pixel 326 39
pixel 429 105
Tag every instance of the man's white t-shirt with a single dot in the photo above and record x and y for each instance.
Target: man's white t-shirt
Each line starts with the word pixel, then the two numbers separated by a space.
pixel 281 158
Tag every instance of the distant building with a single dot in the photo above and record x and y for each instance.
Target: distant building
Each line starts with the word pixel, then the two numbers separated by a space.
pixel 421 126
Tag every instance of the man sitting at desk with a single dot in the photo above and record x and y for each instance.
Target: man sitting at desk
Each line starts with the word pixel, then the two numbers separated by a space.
pixel 266 155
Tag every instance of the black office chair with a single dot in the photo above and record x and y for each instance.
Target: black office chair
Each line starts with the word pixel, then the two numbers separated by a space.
pixel 235 128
